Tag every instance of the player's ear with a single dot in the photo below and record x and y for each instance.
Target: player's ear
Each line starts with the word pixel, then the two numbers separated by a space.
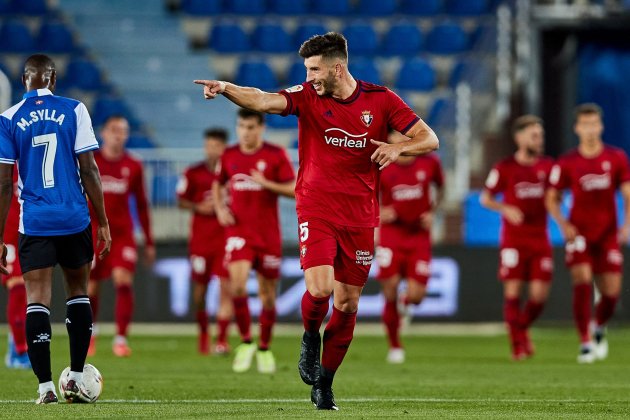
pixel 53 80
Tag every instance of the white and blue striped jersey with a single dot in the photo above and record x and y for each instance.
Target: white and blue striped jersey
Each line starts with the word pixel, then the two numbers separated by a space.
pixel 44 133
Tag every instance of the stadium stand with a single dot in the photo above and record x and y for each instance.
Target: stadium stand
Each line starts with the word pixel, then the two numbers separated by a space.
pixel 403 38
pixel 271 37
pixel 16 37
pixel 228 37
pixel 289 7
pixel 362 38
pixel 306 30
pixel 55 37
pixel 416 74
pixel 202 7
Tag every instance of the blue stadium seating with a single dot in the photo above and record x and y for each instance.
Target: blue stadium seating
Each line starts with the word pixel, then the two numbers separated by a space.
pixel 403 38
pixel 477 72
pixel 362 38
pixel 271 37
pixel 332 7
pixel 289 7
pixel 379 8
pixel 247 7
pixel 5 7
pixel 364 69
pixel 421 7
pixel 202 7
pixel 139 141
pixel 307 30
pixel 163 188
pixel 484 38
pixel 83 74
pixel 16 37
pixel 447 38
pixel 30 7
pixel 416 74
pixel 256 73
pixel 442 113
pixel 106 106
pixel 55 37
pixel 278 121
pixel 467 7
pixel 297 73
pixel 229 37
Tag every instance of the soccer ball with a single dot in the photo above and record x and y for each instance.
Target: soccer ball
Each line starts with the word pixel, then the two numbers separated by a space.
pixel 92 381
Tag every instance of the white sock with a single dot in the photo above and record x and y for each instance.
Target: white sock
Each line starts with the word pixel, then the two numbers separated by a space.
pixel 46 386
pixel 76 376
pixel 120 339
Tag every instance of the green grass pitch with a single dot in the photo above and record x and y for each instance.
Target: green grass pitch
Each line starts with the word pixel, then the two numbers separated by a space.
pixel 444 377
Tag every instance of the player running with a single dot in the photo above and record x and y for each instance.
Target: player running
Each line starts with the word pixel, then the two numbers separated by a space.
pixel 341 124
pixel 593 171
pixel 206 246
pixel 404 244
pixel 122 177
pixel 525 249
pixel 257 173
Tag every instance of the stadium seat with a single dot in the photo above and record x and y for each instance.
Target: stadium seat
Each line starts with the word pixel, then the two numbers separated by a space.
pixel 442 113
pixel 163 191
pixel 364 69
pixel 271 37
pixel 139 141
pixel 421 8
pixel 403 38
pixel 15 37
pixel 202 7
pixel 30 7
pixel 307 30
pixel 228 37
pixel 289 7
pixel 278 121
pixel 5 7
pixel 256 73
pixel 416 74
pixel 247 7
pixel 447 38
pixel 106 106
pixel 5 69
pixel 297 73
pixel 467 7
pixel 55 37
pixel 378 8
pixel 477 72
pixel 362 39
pixel 484 38
pixel 83 74
pixel 332 7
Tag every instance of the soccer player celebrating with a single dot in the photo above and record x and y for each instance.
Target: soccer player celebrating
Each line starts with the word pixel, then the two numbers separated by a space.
pixel 525 255
pixel 207 240
pixel 593 171
pixel 405 236
pixel 257 173
pixel 122 177
pixel 51 139
pixel 341 124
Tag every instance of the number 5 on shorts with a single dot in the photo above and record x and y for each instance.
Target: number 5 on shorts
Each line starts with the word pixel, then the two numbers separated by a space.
pixel 303 231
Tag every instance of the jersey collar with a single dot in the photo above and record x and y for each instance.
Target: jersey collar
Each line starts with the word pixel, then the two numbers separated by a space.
pixel 38 92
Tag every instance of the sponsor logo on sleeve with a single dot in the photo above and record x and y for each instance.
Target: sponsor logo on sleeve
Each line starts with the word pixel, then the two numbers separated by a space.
pixel 294 89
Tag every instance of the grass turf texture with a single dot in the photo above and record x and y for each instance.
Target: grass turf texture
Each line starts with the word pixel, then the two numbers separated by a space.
pixel 444 377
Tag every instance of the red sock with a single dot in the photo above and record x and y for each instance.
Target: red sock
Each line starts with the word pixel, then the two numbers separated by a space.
pixel 16 316
pixel 223 324
pixel 337 338
pixel 124 308
pixel 511 309
pixel 314 310
pixel 582 296
pixel 391 319
pixel 605 309
pixel 267 320
pixel 530 313
pixel 242 317
pixel 202 321
pixel 94 303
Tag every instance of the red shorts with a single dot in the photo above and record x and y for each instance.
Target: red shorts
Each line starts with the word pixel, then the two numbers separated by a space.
pixel 603 256
pixel 204 266
pixel 526 262
pixel 13 262
pixel 411 258
pixel 349 250
pixel 123 254
pixel 265 260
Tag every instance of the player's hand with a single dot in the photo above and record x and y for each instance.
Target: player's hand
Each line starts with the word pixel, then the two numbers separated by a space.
pixel 225 216
pixel 385 153
pixel 149 255
pixel 388 214
pixel 624 234
pixel 211 88
pixel 205 207
pixel 258 177
pixel 3 260
pixel 426 220
pixel 569 232
pixel 512 214
pixel 104 238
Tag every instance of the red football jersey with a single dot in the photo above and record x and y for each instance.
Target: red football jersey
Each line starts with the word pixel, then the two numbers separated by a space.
pixel 121 179
pixel 523 186
pixel 406 187
pixel 337 181
pixel 206 234
pixel 255 208
pixel 593 182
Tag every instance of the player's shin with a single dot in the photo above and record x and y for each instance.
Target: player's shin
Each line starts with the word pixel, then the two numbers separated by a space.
pixel 314 310
pixel 605 309
pixel 511 308
pixel 79 326
pixel 391 319
pixel 124 308
pixel 267 321
pixel 337 338
pixel 16 316
pixel 242 317
pixel 582 297
pixel 38 335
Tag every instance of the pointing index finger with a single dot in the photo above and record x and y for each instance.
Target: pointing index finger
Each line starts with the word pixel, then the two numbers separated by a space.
pixel 202 82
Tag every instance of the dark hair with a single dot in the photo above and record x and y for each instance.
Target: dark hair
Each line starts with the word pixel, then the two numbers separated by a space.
pixel 587 109
pixel 114 117
pixel 525 121
pixel 216 133
pixel 330 45
pixel 40 63
pixel 248 113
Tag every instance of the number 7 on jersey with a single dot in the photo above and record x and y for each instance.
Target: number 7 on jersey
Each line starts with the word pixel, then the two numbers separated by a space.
pixel 49 141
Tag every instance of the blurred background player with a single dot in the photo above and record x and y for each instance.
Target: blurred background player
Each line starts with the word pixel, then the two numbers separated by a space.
pixel 122 177
pixel 593 172
pixel 206 246
pixel 257 173
pixel 404 237
pixel 17 356
pixel 525 249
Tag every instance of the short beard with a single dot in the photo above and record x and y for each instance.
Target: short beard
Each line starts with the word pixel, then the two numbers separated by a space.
pixel 532 152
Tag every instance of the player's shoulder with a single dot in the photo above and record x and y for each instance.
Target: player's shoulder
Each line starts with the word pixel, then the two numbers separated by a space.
pixel 9 113
pixel 196 167
pixel 131 158
pixel 546 161
pixel 569 156
pixel 367 87
pixel 272 148
pixel 303 88
pixel 506 163
pixel 615 151
pixel 231 150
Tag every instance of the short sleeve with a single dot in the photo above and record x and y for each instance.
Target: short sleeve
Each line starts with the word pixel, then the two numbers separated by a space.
pixel 184 187
pixel 558 177
pixel 220 171
pixel 400 116
pixel 495 182
pixel 295 95
pixel 285 169
pixel 438 173
pixel 8 154
pixel 85 140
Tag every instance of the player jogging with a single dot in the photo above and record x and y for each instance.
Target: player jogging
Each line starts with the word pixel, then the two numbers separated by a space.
pixel 206 246
pixel 404 237
pixel 257 173
pixel 593 172
pixel 51 139
pixel 525 250
pixel 341 124
pixel 122 177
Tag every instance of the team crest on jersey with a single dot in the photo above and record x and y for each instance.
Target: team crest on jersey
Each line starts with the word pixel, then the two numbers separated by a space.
pixel 606 166
pixel 125 172
pixel 261 165
pixel 294 89
pixel 541 175
pixel 420 175
pixel 39 102
pixel 366 118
